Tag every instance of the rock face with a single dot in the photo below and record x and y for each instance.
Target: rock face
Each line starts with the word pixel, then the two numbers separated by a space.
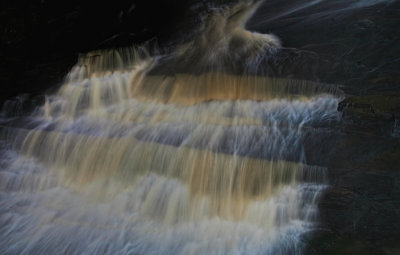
pixel 360 211
pixel 379 114
pixel 379 107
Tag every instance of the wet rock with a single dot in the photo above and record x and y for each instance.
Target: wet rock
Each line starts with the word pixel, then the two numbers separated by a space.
pixel 378 107
pixel 325 242
pixel 359 211
pixel 362 204
pixel 378 114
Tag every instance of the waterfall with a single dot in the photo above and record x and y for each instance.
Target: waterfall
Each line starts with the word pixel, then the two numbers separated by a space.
pixel 186 152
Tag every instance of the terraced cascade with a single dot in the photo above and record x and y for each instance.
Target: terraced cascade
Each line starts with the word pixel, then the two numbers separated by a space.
pixel 131 158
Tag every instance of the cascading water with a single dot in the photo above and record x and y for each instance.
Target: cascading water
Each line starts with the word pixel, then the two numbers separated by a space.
pixel 186 153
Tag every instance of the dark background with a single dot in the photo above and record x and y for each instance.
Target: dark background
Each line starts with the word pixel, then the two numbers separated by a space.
pixel 41 39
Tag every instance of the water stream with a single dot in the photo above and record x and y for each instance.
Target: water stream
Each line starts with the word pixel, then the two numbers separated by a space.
pixel 186 152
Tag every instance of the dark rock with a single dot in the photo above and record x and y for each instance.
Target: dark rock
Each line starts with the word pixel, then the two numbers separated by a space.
pixel 362 204
pixel 328 243
pixel 378 114
pixel 382 107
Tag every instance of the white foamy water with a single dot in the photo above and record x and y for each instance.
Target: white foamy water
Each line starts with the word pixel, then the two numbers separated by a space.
pixel 125 160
